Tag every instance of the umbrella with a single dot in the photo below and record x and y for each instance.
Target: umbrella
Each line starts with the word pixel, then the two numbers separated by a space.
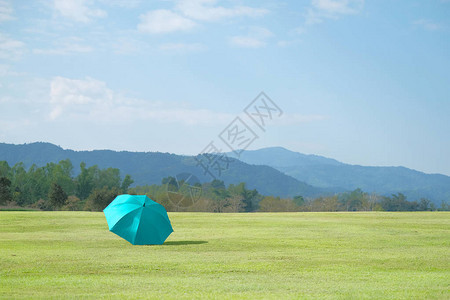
pixel 138 219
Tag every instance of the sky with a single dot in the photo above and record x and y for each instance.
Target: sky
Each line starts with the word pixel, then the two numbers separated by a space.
pixel 364 82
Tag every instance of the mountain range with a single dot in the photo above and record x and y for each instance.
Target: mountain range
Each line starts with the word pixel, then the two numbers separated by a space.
pixel 331 174
pixel 148 168
pixel 272 171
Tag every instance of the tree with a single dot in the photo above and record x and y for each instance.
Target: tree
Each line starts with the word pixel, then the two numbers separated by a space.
pixel 234 204
pixel 354 200
pixel 127 181
pixel 18 183
pixel 57 196
pixel 249 197
pixel 169 180
pixel 445 206
pixel 5 169
pixel 85 181
pixel 73 203
pixel 398 202
pixel 219 205
pixel 275 204
pixel 330 203
pixel 5 190
pixel 61 173
pixel 299 200
pixel 108 177
pixel 37 185
pixel 424 204
pixel 101 198
pixel 218 184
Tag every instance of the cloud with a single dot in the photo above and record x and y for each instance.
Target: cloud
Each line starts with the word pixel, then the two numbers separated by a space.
pixel 286 43
pixel 427 24
pixel 122 3
pixel 90 100
pixel 126 45
pixel 182 47
pixel 206 10
pixel 66 46
pixel 78 10
pixel 331 9
pixel 72 95
pixel 247 42
pixel 5 70
pixel 10 48
pixel 69 49
pixel 186 13
pixel 6 11
pixel 164 21
pixel 338 6
pixel 256 38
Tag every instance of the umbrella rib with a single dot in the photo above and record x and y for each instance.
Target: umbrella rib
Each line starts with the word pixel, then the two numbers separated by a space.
pixel 123 216
pixel 158 231
pixel 139 225
pixel 146 218
pixel 161 213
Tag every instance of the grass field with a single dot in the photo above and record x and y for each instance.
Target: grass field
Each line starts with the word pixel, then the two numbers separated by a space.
pixel 273 255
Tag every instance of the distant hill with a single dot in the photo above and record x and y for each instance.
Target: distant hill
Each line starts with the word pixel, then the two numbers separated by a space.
pixel 328 173
pixel 150 167
pixel 272 171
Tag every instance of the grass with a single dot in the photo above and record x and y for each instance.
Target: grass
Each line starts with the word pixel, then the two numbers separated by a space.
pixel 272 255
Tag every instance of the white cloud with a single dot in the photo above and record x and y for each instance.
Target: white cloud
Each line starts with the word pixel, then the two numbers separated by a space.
pixel 256 38
pixel 247 42
pixel 427 24
pixel 338 6
pixel 10 48
pixel 184 15
pixel 122 3
pixel 206 10
pixel 332 9
pixel 71 95
pixel 66 46
pixel 182 47
pixel 126 45
pixel 6 11
pixel 286 43
pixel 164 21
pixel 90 100
pixel 70 49
pixel 78 10
pixel 4 70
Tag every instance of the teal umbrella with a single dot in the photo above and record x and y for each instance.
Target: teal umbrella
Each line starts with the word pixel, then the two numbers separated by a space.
pixel 138 219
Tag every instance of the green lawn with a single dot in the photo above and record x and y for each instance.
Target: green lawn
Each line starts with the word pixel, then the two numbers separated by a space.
pixel 273 255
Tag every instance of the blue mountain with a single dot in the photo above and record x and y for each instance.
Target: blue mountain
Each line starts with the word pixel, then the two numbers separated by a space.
pixel 331 174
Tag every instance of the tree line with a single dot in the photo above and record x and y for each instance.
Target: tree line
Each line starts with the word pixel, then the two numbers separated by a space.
pixel 216 197
pixel 53 187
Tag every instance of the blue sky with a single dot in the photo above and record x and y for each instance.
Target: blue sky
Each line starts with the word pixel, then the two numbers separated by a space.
pixel 364 82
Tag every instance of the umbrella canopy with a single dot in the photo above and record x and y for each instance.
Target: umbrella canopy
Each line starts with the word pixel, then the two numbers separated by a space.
pixel 138 219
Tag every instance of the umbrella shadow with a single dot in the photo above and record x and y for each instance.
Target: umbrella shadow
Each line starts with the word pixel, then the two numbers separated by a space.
pixel 179 243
